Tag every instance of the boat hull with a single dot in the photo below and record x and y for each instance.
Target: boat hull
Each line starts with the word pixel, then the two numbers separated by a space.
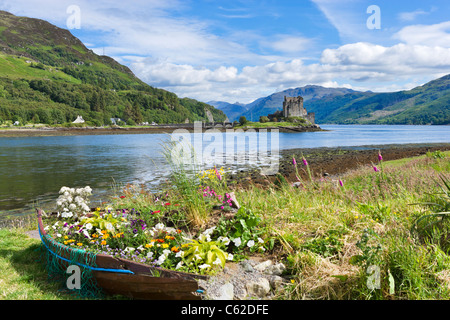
pixel 116 276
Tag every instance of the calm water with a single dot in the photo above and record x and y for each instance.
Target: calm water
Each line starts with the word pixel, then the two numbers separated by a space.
pixel 33 169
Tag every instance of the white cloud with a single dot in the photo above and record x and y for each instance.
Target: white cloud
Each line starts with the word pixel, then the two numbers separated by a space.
pixel 411 16
pixel 400 56
pixel 183 55
pixel 360 65
pixel 429 35
pixel 349 22
pixel 288 43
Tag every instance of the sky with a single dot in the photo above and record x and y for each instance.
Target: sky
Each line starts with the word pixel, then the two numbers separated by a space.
pixel 241 50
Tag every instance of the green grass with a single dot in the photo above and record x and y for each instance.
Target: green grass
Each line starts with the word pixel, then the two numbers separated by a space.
pixel 249 125
pixel 318 230
pixel 18 68
pixel 328 236
pixel 23 275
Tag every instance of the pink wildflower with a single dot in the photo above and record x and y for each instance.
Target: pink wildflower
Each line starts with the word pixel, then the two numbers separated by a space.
pixel 305 162
pixel 380 157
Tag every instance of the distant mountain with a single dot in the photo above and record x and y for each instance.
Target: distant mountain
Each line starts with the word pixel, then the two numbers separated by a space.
pixel 48 75
pixel 274 102
pixel 270 104
pixel 427 104
pixel 232 110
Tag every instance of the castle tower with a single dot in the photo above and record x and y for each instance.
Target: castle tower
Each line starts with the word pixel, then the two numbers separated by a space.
pixel 293 107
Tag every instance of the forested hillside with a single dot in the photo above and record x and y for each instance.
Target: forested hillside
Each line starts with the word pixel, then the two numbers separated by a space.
pixel 48 76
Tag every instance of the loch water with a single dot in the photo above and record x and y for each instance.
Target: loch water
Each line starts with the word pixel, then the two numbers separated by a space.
pixel 33 169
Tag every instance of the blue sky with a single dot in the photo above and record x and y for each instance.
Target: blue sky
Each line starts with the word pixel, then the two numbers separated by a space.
pixel 242 50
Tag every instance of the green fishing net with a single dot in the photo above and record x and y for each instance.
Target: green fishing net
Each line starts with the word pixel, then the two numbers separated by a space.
pixel 72 268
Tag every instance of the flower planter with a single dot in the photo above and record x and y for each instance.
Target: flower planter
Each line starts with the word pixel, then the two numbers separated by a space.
pixel 117 276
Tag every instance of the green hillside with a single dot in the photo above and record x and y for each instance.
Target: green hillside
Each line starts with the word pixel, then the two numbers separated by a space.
pixel 427 104
pixel 47 75
pixel 274 102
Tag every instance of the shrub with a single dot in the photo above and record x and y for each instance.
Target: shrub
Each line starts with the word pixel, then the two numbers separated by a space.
pixel 263 119
pixel 242 120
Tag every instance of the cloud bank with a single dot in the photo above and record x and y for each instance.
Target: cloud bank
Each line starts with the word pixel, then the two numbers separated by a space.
pixel 202 59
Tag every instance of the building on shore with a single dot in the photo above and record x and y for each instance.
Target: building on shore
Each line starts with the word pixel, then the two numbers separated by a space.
pixel 293 107
pixel 79 119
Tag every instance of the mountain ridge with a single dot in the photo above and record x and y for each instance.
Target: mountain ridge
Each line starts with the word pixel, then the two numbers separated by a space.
pixel 47 73
pixel 425 104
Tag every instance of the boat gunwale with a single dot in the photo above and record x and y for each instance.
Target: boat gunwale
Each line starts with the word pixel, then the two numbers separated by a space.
pixel 119 267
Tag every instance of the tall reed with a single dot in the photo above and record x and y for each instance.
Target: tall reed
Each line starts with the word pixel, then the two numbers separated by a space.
pixel 184 167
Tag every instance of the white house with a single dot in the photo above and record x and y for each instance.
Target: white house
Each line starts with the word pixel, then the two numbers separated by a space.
pixel 114 121
pixel 79 120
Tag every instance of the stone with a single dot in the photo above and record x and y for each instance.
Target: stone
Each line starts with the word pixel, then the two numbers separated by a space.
pixel 276 269
pixel 234 202
pixel 261 267
pixel 225 292
pixel 247 267
pixel 259 287
pixel 240 293
pixel 276 282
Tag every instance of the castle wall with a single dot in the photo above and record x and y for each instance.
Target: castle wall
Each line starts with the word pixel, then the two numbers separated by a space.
pixel 293 107
pixel 311 117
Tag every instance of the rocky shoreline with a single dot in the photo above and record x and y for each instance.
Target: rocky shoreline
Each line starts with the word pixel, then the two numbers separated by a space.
pixel 166 129
pixel 335 161
pixel 260 279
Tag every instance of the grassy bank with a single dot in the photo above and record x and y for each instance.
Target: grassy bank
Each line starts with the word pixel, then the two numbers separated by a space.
pixel 276 125
pixel 355 237
pixel 358 236
pixel 23 275
pixel 331 236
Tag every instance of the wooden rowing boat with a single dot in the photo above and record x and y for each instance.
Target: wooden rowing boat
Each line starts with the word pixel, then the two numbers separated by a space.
pixel 116 276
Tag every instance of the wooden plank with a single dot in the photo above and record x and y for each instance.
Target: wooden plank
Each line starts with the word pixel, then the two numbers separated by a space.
pixel 146 287
pixel 138 268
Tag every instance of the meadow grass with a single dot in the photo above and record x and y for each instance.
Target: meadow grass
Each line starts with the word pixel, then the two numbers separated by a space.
pixel 355 240
pixel 330 235
pixel 333 237
pixel 24 276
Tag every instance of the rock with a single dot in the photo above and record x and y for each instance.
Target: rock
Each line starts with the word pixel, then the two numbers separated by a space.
pixel 263 265
pixel 225 292
pixel 276 282
pixel 297 184
pixel 240 293
pixel 247 267
pixel 234 202
pixel 259 287
pixel 276 269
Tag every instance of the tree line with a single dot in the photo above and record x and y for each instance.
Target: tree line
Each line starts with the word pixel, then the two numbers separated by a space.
pixel 58 102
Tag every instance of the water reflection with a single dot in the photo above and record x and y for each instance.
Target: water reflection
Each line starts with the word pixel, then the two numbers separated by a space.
pixel 33 169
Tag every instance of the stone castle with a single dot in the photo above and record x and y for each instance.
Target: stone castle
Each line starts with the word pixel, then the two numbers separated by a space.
pixel 293 107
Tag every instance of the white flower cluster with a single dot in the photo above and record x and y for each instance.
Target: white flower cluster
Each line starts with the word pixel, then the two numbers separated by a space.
pixel 250 243
pixel 157 229
pixel 73 201
pixel 206 235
